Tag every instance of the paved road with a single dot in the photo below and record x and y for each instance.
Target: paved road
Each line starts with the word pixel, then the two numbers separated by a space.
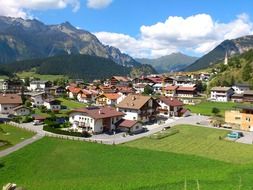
pixel 118 138
pixel 20 145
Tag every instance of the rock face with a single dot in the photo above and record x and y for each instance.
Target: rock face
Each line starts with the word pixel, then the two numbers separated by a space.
pixel 27 39
pixel 169 63
pixel 231 47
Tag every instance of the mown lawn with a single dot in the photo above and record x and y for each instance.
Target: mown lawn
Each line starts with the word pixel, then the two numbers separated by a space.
pixel 199 141
pixel 193 156
pixel 60 164
pixel 71 104
pixel 205 108
pixel 13 135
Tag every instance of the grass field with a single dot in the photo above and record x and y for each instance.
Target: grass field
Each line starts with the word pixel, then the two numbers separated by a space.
pixel 71 104
pixel 205 108
pixel 146 164
pixel 13 135
pixel 199 141
pixel 42 77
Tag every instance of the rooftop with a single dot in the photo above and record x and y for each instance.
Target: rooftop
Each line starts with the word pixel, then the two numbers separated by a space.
pixel 134 101
pixel 98 112
pixel 10 99
pixel 171 101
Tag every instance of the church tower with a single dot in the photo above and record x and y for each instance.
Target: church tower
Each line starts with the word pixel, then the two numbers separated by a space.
pixel 226 59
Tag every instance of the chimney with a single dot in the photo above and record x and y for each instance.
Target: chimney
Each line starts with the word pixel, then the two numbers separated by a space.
pixel 99 111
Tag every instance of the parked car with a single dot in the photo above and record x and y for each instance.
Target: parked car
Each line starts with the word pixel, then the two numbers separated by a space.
pixel 37 122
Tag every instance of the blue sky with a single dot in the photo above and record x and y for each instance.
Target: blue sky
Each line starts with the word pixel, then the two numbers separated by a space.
pixel 146 28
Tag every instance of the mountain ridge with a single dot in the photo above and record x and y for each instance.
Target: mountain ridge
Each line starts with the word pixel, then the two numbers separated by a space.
pixel 230 47
pixel 30 39
pixel 168 63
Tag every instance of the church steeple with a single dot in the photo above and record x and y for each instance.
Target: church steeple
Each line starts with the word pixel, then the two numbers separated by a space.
pixel 226 59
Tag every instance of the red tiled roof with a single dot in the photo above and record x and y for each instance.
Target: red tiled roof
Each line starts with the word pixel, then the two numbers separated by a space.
pixel 112 96
pixel 127 123
pixel 170 101
pixel 99 112
pixel 186 88
pixel 171 87
pixel 74 90
pixel 155 79
pixel 10 99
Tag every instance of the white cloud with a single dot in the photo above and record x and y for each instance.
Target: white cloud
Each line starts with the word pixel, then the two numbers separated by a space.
pixel 98 4
pixel 197 34
pixel 21 8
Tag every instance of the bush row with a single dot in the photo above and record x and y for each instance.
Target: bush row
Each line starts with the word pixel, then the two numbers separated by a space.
pixel 62 132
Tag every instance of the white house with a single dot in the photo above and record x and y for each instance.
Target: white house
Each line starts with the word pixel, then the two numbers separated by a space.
pixel 21 110
pixel 138 107
pixel 52 104
pixel 37 99
pixel 95 119
pixel 221 94
pixel 170 106
pixel 8 102
pixel 170 91
pixel 241 88
pixel 109 99
pixel 38 85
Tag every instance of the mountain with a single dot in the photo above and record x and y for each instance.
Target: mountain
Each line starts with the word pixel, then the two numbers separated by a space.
pixel 231 47
pixel 168 63
pixel 74 66
pixel 29 39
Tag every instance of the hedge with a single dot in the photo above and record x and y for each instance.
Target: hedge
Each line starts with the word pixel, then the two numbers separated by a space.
pixel 164 134
pixel 62 132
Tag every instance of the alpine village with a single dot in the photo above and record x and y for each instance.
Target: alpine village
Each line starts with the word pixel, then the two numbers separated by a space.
pixel 76 113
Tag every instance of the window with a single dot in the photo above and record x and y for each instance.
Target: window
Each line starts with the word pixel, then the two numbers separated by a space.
pixel 134 118
pixel 5 108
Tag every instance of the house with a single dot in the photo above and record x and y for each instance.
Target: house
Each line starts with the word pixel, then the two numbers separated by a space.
pixel 56 90
pixel 107 99
pixel 8 102
pixel 221 94
pixel 241 88
pixel 170 91
pixel 95 119
pixel 139 87
pixel 248 96
pixel 153 80
pixel 37 99
pixel 129 126
pixel 11 86
pixel 170 106
pixel 158 88
pixel 38 85
pixel 21 110
pixel 72 92
pixel 139 108
pixel 186 91
pixel 121 80
pixel 84 96
pixel 52 104
pixel 183 81
pixel 237 97
pixel 240 118
pixel 124 90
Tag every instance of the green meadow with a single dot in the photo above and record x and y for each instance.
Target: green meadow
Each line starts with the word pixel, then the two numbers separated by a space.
pixel 193 158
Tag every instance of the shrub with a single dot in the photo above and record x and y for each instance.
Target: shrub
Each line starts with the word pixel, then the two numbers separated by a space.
pixel 62 132
pixel 27 119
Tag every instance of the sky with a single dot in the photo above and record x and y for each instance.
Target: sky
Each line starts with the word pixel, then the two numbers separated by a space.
pixel 145 28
